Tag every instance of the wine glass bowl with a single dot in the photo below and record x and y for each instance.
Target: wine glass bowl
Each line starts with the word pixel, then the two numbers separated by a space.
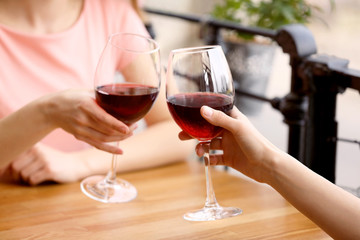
pixel 126 84
pixel 126 102
pixel 185 109
pixel 196 77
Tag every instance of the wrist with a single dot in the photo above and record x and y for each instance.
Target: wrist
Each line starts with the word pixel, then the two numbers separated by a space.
pixel 44 107
pixel 90 164
pixel 282 164
pixel 273 166
pixel 83 168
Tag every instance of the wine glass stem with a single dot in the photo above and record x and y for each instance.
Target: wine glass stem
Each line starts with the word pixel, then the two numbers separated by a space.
pixel 111 176
pixel 210 194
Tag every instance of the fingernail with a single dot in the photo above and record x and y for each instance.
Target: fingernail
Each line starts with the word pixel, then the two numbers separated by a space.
pixel 207 111
pixel 125 130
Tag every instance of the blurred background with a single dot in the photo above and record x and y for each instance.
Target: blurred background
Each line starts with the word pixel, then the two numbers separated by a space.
pixel 336 32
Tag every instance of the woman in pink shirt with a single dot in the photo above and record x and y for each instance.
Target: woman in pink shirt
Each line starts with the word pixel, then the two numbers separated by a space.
pixel 50 46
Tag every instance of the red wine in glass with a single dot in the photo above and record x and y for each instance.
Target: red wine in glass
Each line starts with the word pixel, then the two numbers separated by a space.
pixel 126 102
pixel 196 77
pixel 185 109
pixel 135 61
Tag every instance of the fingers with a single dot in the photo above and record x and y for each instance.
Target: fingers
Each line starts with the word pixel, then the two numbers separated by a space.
pixel 102 121
pixel 103 146
pixel 96 127
pixel 217 159
pixel 38 177
pixel 235 113
pixel 83 133
pixel 133 126
pixel 80 112
pixel 30 168
pixel 19 164
pixel 217 118
pixel 100 140
pixel 214 145
pixel 28 171
pixel 41 175
pixel 184 136
pixel 220 119
pixel 199 150
pixel 23 167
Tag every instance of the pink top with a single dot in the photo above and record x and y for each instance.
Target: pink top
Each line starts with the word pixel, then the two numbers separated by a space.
pixel 34 65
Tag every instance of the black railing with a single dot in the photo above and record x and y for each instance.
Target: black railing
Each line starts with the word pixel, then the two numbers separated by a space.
pixel 309 107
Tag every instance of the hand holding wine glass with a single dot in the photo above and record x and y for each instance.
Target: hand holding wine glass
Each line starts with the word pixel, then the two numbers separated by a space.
pixel 197 77
pixel 127 82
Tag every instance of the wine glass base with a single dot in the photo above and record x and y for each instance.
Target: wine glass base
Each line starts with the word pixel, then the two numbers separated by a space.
pixel 212 213
pixel 98 188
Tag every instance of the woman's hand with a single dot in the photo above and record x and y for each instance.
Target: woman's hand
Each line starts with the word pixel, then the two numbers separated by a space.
pixel 244 148
pixel 76 112
pixel 42 163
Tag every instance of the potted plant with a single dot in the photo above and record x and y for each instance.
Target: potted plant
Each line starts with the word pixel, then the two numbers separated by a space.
pixel 250 57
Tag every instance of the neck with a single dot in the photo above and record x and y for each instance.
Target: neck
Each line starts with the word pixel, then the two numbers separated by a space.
pixel 40 16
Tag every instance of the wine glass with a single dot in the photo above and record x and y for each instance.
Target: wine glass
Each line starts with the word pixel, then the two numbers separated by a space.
pixel 127 82
pixel 195 77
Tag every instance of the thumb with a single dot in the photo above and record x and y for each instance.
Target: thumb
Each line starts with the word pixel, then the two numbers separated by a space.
pixel 218 118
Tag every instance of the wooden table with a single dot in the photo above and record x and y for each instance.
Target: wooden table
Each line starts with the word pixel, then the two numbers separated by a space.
pixel 62 211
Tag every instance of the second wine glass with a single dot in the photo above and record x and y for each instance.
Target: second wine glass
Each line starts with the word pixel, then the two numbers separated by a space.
pixel 127 82
pixel 197 77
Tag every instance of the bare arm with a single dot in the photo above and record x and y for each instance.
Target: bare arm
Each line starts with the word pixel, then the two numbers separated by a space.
pixel 336 211
pixel 158 144
pixel 20 130
pixel 73 110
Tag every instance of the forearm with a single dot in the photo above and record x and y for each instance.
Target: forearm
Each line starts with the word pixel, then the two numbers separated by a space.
pixel 21 130
pixel 336 211
pixel 155 146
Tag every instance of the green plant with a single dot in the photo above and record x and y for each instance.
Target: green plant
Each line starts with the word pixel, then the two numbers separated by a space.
pixel 271 14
